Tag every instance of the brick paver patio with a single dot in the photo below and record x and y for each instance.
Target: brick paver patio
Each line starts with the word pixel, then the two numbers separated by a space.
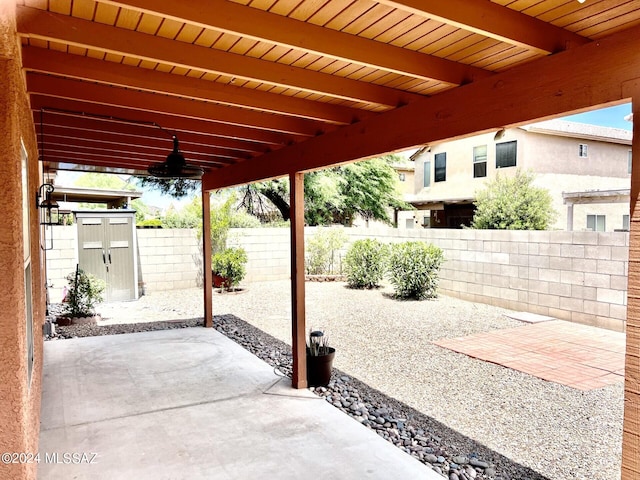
pixel 575 355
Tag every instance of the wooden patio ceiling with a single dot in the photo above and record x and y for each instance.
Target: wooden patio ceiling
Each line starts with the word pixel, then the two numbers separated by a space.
pixel 261 88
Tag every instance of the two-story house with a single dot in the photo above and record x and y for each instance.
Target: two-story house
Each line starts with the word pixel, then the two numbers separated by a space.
pixel 586 168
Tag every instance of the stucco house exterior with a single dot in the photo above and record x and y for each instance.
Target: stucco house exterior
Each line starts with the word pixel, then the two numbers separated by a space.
pixel 586 168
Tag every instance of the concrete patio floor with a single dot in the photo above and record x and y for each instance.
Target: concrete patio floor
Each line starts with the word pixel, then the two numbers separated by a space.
pixel 192 404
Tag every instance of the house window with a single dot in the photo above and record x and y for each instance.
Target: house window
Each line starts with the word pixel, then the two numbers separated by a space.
pixel 629 162
pixel 506 154
pixel 427 174
pixel 440 174
pixel 480 161
pixel 402 177
pixel 582 150
pixel 426 220
pixel 596 223
pixel 625 222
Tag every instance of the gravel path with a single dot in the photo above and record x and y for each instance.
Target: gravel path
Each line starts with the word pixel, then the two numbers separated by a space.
pixel 557 431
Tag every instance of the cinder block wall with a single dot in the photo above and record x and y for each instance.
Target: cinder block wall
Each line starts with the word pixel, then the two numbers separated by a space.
pixel 62 259
pixel 268 252
pixel 576 276
pixel 168 259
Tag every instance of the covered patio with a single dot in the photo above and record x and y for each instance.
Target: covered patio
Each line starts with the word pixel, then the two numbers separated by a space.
pixel 267 89
pixel 190 403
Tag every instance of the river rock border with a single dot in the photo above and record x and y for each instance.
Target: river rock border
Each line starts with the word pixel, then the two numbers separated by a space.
pixel 447 452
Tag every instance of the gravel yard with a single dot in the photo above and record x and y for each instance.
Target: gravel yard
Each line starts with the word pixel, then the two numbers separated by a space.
pixel 559 432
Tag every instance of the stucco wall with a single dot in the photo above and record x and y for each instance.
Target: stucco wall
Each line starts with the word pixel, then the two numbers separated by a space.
pixel 20 398
pixel 554 154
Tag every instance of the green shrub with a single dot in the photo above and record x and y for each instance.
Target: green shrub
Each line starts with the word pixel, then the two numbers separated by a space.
pixel 321 249
pixel 84 292
pixel 365 263
pixel 413 269
pixel 242 219
pixel 514 203
pixel 230 264
pixel 151 222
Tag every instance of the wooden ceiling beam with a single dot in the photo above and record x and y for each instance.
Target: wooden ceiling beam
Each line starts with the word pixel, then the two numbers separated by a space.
pixel 260 25
pixel 89 143
pixel 169 122
pixel 153 102
pixel 578 79
pixel 106 139
pixel 494 21
pixel 85 68
pixel 85 167
pixel 78 121
pixel 55 145
pixel 61 153
pixel 40 24
pixel 66 155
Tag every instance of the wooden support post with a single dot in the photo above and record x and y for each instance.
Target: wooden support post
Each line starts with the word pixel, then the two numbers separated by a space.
pixel 207 279
pixel 298 324
pixel 631 428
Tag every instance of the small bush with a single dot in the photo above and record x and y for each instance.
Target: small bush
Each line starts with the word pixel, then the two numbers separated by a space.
pixel 151 222
pixel 242 219
pixel 85 291
pixel 365 263
pixel 320 255
pixel 230 264
pixel 413 269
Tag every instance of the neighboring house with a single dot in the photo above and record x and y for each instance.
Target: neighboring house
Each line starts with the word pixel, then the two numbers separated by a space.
pixel 586 168
pixel 406 176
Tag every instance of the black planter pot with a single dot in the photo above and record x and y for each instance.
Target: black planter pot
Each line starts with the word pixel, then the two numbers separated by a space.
pixel 319 368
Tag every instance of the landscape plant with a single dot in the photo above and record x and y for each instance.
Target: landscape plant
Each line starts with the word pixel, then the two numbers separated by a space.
pixel 84 292
pixel 150 222
pixel 230 265
pixel 321 248
pixel 365 263
pixel 414 268
pixel 513 203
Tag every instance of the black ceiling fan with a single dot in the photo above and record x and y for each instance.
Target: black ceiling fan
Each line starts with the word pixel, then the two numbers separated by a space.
pixel 175 166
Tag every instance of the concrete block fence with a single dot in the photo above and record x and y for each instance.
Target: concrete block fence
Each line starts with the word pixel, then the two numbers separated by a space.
pixel 575 276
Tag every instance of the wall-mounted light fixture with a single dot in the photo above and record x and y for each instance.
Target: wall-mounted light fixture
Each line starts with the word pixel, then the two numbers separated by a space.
pixel 49 211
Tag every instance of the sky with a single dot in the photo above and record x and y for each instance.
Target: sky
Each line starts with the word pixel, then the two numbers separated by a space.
pixel 606 117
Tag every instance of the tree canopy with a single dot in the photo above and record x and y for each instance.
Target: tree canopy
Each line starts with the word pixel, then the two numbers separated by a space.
pixel 336 195
pixel 175 187
pixel 513 203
